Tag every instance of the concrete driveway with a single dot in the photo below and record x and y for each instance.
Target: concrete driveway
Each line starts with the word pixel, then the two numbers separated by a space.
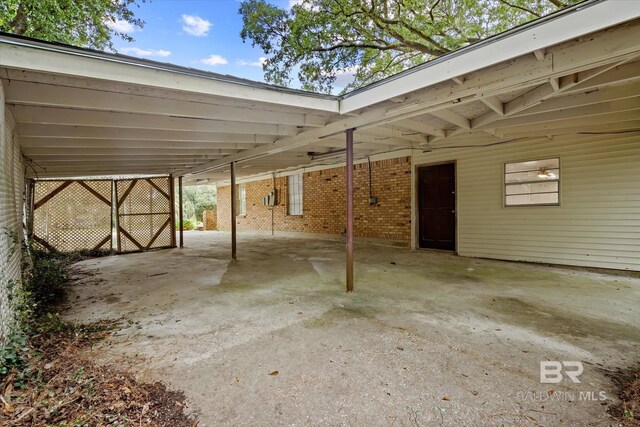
pixel 427 338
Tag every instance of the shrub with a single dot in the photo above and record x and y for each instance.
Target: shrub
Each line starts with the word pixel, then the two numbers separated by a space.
pixel 35 299
pixel 49 277
pixel 186 225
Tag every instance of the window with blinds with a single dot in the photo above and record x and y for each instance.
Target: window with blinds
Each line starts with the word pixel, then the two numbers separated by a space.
pixel 532 183
pixel 295 194
pixel 242 200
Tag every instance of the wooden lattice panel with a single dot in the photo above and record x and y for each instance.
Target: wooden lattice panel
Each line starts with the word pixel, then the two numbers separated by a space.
pixel 144 214
pixel 72 215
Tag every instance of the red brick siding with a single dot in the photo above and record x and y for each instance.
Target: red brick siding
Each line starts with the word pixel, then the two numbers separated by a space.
pixel 209 219
pixel 324 202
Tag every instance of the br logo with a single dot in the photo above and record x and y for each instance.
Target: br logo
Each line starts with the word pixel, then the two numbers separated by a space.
pixel 552 372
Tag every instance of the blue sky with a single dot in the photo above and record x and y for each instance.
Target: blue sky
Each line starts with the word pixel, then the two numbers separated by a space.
pixel 203 34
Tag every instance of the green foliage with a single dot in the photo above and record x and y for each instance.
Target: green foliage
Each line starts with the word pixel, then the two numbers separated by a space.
pixel 186 225
pixel 49 277
pixel 48 280
pixel 197 199
pixel 326 39
pixel 34 301
pixel 86 23
pixel 12 353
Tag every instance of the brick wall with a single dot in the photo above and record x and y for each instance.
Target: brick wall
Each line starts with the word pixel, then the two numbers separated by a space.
pixel 324 202
pixel 209 219
pixel 11 230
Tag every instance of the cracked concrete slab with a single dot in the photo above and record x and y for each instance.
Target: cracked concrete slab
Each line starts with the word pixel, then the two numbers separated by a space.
pixel 428 338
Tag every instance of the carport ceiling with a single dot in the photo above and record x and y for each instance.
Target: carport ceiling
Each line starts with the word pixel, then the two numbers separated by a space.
pixel 76 126
pixel 81 112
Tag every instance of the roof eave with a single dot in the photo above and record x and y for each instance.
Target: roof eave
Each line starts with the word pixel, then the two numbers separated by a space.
pixel 569 24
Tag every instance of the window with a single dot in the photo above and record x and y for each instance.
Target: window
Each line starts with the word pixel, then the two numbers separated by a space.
pixel 536 182
pixel 295 194
pixel 242 200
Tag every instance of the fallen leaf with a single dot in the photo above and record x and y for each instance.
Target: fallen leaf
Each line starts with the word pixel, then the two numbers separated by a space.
pixel 274 373
pixel 446 398
pixel 7 406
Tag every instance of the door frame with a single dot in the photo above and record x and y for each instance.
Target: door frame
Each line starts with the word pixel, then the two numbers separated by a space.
pixel 416 204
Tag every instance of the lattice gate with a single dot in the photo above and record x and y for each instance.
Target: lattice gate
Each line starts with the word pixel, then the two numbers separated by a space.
pixel 144 214
pixel 72 215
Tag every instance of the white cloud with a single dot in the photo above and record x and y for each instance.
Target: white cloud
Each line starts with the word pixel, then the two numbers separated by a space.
pixel 121 26
pixel 259 63
pixel 145 53
pixel 214 60
pixel 195 25
pixel 345 77
pixel 304 4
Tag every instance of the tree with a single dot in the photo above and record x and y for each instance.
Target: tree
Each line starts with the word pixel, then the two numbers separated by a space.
pixel 197 199
pixel 88 23
pixel 372 39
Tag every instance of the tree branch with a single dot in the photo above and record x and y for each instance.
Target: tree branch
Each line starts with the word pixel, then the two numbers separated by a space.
pixel 522 8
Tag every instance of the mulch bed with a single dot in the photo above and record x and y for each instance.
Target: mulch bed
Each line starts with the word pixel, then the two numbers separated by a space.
pixel 627 412
pixel 65 387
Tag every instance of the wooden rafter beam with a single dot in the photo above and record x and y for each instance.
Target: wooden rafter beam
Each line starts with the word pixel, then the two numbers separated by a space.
pixel 53 117
pixel 420 126
pixel 52 95
pixel 453 118
pixel 542 93
pixel 494 103
pixel 618 106
pixel 125 153
pixel 28 142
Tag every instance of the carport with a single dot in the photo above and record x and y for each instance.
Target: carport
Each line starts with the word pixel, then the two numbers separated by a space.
pixel 79 112
pixel 260 332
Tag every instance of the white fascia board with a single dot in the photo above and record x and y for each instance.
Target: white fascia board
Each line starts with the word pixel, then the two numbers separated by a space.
pixel 26 55
pixel 588 19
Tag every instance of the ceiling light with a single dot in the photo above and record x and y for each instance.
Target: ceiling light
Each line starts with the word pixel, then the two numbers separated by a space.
pixel 544 173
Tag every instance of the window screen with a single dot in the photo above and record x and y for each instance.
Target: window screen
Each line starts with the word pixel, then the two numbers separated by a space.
pixel 295 194
pixel 536 182
pixel 242 200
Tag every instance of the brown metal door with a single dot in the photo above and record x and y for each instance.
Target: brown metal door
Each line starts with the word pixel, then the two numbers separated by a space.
pixel 145 212
pixel 437 207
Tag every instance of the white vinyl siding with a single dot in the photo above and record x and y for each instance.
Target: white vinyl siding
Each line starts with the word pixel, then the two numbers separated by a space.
pixel 295 194
pixel 597 223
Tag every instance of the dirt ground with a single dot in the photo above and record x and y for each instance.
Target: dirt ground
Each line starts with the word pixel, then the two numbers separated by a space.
pixel 427 339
